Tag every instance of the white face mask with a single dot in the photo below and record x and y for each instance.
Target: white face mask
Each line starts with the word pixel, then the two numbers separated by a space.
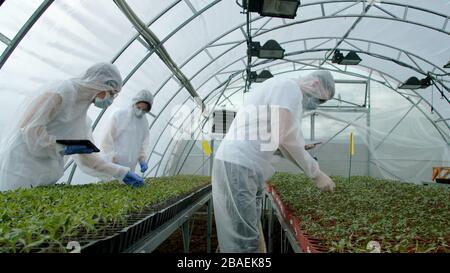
pixel 310 103
pixel 138 112
pixel 103 103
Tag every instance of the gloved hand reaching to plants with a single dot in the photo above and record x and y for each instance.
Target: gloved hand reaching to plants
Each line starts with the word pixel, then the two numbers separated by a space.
pixel 133 180
pixel 324 182
pixel 144 166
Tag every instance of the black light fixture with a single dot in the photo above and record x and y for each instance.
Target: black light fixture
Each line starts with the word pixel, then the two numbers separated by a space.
pixel 273 8
pixel 351 59
pixel 270 50
pixel 447 65
pixel 414 83
pixel 261 77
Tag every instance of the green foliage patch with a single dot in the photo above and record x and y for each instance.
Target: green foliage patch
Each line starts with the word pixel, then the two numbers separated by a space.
pixel 401 217
pixel 31 219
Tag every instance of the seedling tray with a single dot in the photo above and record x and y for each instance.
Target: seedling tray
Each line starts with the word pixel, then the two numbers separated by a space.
pixel 144 224
pixel 102 218
pixel 364 212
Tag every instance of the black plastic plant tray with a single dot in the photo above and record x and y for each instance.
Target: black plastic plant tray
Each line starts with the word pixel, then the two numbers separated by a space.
pixel 443 181
pixel 143 225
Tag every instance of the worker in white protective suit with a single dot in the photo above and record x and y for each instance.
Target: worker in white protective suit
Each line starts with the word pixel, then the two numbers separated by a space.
pixel 126 136
pixel 30 155
pixel 243 160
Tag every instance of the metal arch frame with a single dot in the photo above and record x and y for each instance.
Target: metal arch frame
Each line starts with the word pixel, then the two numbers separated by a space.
pixel 12 45
pixel 187 155
pixel 366 9
pixel 404 52
pixel 157 46
pixel 165 128
pixel 409 54
pixel 414 104
pixel 386 84
pixel 40 10
pixel 369 44
pixel 238 43
pixel 232 64
pixel 136 36
pixel 208 95
pixel 170 35
pixel 327 2
pixel 170 142
pixel 384 2
pixel 140 63
pixel 317 3
pixel 115 58
pixel 4 39
pixel 373 17
pixel 382 74
pixel 305 5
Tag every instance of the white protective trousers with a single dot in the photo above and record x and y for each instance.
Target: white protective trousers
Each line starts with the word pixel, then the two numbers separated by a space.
pixel 238 193
pixel 271 113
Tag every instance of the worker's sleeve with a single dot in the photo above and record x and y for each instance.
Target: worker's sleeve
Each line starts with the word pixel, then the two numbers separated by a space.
pixel 33 126
pixel 143 154
pixel 108 141
pixel 95 165
pixel 292 143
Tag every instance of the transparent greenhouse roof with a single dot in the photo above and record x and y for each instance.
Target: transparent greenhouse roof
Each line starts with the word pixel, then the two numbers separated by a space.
pixel 44 41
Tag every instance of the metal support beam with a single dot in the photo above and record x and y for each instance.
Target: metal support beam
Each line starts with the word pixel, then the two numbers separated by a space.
pixel 155 43
pixel 209 225
pixel 231 31
pixel 339 132
pixel 386 83
pixel 24 30
pixel 186 236
pixel 347 33
pixel 5 39
pixel 285 228
pixel 397 124
pixel 152 241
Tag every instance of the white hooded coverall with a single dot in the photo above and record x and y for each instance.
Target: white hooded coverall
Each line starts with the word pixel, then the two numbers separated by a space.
pixel 242 165
pixel 126 136
pixel 30 156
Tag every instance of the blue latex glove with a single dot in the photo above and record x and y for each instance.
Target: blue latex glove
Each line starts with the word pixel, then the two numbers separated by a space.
pixel 133 180
pixel 77 149
pixel 144 166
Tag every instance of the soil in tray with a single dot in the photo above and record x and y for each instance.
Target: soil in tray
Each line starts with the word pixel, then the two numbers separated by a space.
pixel 198 243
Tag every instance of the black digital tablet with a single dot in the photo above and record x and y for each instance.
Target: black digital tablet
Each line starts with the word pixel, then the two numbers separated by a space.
pixel 85 142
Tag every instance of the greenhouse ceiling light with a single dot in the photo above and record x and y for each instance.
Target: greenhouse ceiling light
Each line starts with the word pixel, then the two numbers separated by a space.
pixel 351 59
pixel 414 83
pixel 447 65
pixel 273 8
pixel 270 50
pixel 262 77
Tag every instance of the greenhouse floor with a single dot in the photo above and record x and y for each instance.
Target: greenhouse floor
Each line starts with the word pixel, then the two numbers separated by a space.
pixel 198 242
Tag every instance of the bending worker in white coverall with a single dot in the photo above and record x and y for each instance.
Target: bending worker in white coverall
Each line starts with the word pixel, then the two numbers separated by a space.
pixel 243 164
pixel 30 155
pixel 126 138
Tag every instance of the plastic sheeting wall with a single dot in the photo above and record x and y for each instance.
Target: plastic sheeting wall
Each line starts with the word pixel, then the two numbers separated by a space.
pixel 72 34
